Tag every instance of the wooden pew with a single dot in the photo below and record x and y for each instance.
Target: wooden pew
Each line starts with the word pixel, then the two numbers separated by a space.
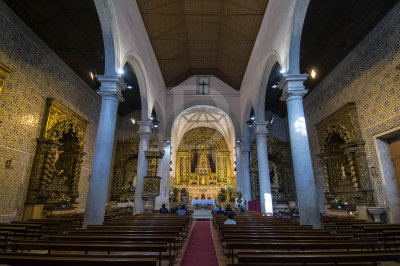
pixel 89 246
pixel 317 257
pixel 76 260
pixel 299 245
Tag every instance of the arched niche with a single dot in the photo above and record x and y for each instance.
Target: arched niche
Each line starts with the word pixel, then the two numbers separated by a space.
pixel 57 164
pixel 343 157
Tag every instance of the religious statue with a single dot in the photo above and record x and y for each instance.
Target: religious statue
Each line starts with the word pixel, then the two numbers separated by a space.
pixel 271 175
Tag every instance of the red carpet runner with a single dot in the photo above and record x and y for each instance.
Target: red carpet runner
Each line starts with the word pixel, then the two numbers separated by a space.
pixel 200 250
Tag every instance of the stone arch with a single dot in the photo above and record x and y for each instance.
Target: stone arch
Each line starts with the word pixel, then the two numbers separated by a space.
pixel 271 58
pixel 246 115
pixel 161 125
pixel 137 66
pixel 105 12
pixel 296 29
pixel 206 102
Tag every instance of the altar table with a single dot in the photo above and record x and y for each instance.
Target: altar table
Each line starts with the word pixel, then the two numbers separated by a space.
pixel 203 201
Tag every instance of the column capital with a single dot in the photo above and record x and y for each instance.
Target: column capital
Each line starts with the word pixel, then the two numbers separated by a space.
pixel 111 86
pixel 144 127
pixel 293 85
pixel 261 127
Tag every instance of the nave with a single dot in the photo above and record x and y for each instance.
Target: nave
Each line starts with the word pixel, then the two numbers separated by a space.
pixel 170 239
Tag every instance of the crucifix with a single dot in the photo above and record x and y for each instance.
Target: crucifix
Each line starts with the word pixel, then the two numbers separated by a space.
pixel 203 84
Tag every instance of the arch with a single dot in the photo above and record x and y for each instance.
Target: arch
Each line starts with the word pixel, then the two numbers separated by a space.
pixel 246 115
pixel 160 116
pixel 109 28
pixel 200 102
pixel 136 64
pixel 339 130
pixel 296 28
pixel 271 58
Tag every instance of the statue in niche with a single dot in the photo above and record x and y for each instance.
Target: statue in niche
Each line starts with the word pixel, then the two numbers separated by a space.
pixel 272 175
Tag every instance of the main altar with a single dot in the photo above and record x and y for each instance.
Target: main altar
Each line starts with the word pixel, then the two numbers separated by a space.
pixel 202 208
pixel 203 164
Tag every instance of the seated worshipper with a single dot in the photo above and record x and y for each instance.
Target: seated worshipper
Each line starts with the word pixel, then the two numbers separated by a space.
pixel 227 209
pixel 216 208
pixel 182 211
pixel 230 220
pixel 220 211
pixel 163 209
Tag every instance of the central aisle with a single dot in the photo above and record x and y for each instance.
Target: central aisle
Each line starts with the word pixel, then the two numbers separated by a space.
pixel 200 249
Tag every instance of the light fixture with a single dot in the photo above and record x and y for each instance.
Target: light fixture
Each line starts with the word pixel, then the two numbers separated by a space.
pixel 151 118
pixel 313 73
pixel 129 87
pixel 155 125
pixel 133 120
pixel 167 141
pixel 238 141
pixel 271 120
pixel 120 71
pixel 274 86
pixel 91 75
pixel 283 70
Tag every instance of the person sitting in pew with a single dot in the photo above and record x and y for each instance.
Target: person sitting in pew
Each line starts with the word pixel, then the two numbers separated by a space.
pixel 227 209
pixel 230 220
pixel 163 209
pixel 220 211
pixel 216 208
pixel 182 210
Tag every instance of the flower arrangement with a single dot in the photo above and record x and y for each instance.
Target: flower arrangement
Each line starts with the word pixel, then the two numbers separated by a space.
pixel 336 203
pixel 203 206
pixel 64 199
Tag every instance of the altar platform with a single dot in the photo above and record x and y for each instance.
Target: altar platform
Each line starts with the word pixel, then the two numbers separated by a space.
pixel 202 208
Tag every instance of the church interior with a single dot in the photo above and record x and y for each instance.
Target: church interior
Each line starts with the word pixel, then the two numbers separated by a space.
pixel 280 116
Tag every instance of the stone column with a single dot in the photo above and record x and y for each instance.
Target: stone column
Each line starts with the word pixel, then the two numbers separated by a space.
pixel 263 167
pixel 110 91
pixel 238 168
pixel 144 132
pixel 246 172
pixel 163 172
pixel 293 91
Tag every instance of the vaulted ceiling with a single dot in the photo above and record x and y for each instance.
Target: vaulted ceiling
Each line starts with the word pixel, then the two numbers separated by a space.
pixel 195 37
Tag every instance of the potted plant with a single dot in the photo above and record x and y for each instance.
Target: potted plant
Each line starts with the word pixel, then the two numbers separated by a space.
pixel 222 195
pixel 184 195
pixel 175 190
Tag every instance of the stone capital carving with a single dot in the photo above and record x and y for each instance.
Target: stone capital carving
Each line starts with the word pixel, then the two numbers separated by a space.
pixel 144 127
pixel 261 128
pixel 111 87
pixel 293 86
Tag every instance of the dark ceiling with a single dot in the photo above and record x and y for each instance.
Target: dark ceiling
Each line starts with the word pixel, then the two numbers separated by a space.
pixel 71 28
pixel 332 28
pixel 132 99
pixel 202 37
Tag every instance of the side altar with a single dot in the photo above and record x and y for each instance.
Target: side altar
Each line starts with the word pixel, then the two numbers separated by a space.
pixel 202 208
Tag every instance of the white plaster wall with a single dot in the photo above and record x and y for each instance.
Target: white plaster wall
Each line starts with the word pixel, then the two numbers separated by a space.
pixel 133 39
pixel 184 96
pixel 273 37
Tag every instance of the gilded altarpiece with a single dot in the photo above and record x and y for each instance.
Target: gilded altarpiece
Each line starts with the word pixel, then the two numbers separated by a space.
pixel 125 167
pixel 280 170
pixel 203 163
pixel 57 164
pixel 4 72
pixel 343 157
